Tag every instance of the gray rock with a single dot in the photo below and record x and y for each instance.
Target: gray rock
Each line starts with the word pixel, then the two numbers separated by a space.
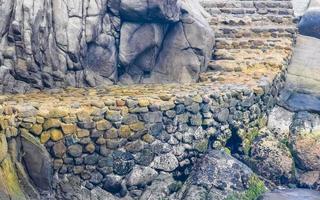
pixel 310 23
pixel 303 102
pixel 159 188
pixel 113 183
pixel 66 43
pixel 75 150
pixel 304 139
pixel 144 11
pixel 279 122
pixel 293 194
pixel 217 174
pixel 37 162
pixel 272 159
pixel 100 194
pixel 141 176
pixel 166 162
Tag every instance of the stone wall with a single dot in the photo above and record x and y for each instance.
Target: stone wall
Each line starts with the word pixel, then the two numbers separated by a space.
pixel 122 144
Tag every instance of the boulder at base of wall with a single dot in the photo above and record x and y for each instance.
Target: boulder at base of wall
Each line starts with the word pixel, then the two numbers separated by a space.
pixel 216 176
pixel 37 162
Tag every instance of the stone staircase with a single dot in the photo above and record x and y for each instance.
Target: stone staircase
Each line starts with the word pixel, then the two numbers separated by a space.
pixel 250 34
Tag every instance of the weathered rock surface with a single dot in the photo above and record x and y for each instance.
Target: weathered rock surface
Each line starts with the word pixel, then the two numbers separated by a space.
pixel 169 52
pixel 272 159
pixel 37 162
pixel 310 179
pixel 47 44
pixel 304 67
pixel 294 194
pixel 305 140
pixel 216 176
pixel 310 23
pixel 279 122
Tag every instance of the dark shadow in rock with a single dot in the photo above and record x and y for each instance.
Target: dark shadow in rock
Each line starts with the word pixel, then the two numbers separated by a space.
pixel 234 143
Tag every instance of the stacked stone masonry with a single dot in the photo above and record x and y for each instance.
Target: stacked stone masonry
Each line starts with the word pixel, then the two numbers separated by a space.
pixel 99 138
pixel 106 137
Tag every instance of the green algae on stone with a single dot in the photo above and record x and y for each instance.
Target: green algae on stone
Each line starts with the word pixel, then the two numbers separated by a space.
pixel 9 181
pixel 255 190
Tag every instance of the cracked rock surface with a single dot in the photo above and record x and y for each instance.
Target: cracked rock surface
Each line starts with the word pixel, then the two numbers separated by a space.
pixel 49 44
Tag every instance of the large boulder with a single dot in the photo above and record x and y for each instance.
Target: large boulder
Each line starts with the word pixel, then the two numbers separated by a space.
pixel 304 139
pixel 168 52
pixel 310 23
pixel 272 159
pixel 279 122
pixel 149 10
pixel 291 194
pixel 217 175
pixel 91 43
pixel 37 162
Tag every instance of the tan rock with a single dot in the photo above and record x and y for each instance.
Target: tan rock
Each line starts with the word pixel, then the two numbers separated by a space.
pixel 68 128
pixel 81 133
pixel 45 136
pixel 125 131
pixel 40 119
pixel 148 138
pixel 3 147
pixel 165 97
pixel 139 126
pixel 143 102
pixel 51 123
pixel 55 134
pixel 58 113
pixel 84 116
pixel 36 129
pixel 103 125
pixel 120 102
pixel 90 148
pixel 307 150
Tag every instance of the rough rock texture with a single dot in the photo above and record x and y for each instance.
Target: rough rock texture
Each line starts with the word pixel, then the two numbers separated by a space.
pixel 37 162
pixel 279 122
pixel 293 194
pixel 169 52
pixel 272 159
pixel 305 140
pixel 46 43
pixel 216 176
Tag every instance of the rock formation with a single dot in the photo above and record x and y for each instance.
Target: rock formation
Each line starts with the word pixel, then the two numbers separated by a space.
pixel 229 136
pixel 47 44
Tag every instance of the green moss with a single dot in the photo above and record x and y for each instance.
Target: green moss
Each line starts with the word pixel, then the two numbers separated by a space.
pixel 174 187
pixel 255 190
pixel 201 146
pixel 248 138
pixel 227 150
pixel 262 121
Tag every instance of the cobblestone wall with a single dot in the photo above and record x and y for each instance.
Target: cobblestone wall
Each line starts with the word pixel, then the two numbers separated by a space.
pixel 109 144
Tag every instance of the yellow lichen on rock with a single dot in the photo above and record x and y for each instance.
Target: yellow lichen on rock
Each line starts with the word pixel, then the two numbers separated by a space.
pixel 10 179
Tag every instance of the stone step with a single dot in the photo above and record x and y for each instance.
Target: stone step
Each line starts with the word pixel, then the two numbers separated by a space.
pixel 258 20
pixel 252 43
pixel 248 4
pixel 251 11
pixel 271 31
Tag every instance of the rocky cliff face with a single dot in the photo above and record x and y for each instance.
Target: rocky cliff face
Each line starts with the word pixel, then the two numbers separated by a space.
pixel 57 43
